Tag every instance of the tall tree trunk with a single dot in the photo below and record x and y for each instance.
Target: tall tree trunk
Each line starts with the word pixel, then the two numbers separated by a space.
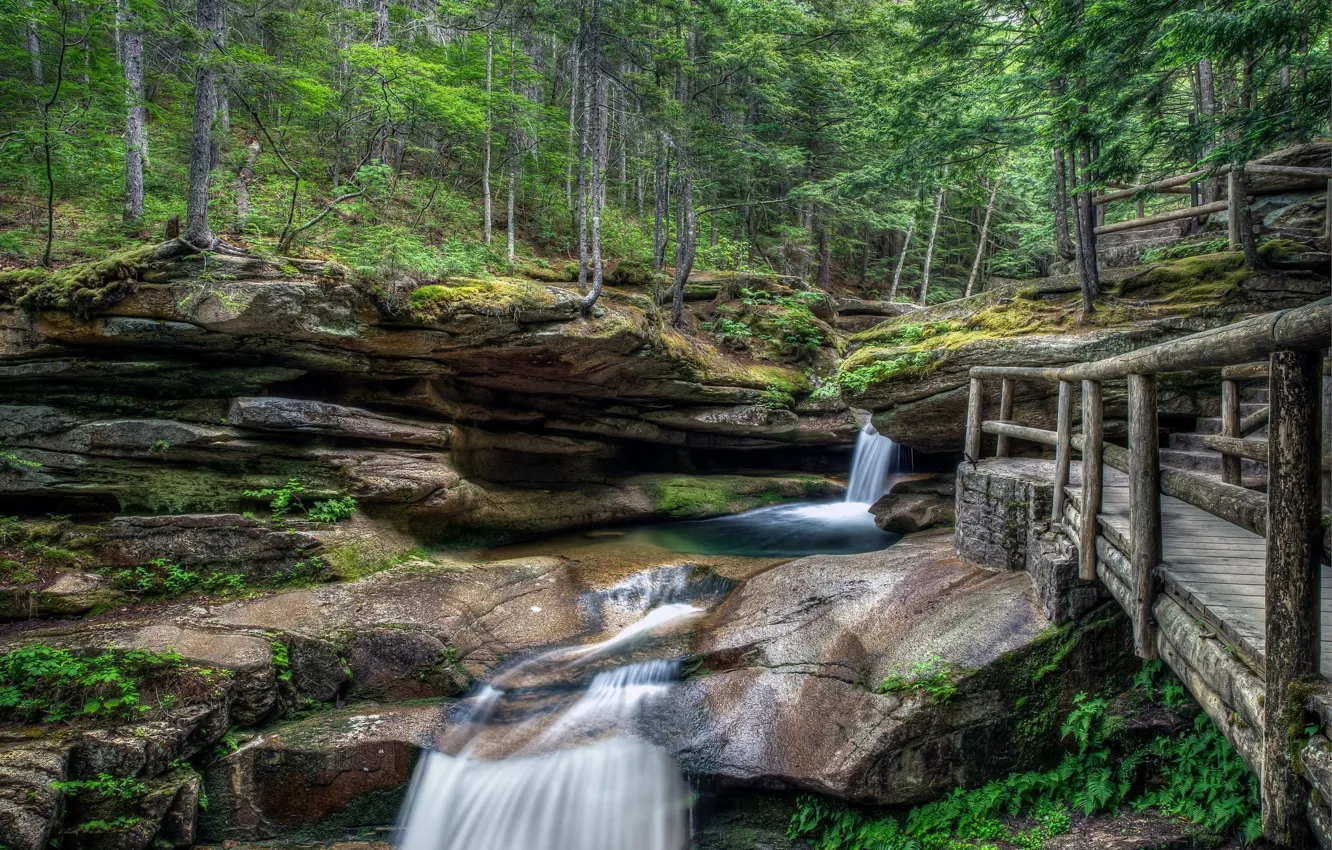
pixel 512 146
pixel 660 203
pixel 1211 189
pixel 576 61
pixel 136 113
pixel 208 18
pixel 984 235
pixel 686 238
pixel 901 259
pixel 583 118
pixel 622 159
pixel 1089 274
pixel 865 257
pixel 600 154
pixel 486 204
pixel 379 35
pixel 923 295
pixel 1063 241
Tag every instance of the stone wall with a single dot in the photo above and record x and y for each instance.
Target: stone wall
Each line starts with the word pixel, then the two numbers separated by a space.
pixel 1003 523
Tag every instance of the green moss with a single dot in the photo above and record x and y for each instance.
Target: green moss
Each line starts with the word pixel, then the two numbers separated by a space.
pixel 1281 249
pixel 80 289
pixel 559 273
pixel 693 497
pixel 859 377
pixel 482 297
pixel 629 274
pixel 1191 280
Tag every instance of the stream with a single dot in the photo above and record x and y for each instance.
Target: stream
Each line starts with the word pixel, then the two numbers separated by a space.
pixel 555 751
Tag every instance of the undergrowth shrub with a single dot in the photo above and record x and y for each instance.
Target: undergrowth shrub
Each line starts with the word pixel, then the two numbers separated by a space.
pixel 43 683
pixel 1195 775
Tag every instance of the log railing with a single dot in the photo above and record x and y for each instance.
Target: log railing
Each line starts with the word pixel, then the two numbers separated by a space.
pixel 1188 183
pixel 1288 516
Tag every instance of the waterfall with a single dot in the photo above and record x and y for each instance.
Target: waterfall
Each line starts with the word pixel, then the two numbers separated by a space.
pixel 610 795
pixel 875 458
pixel 549 754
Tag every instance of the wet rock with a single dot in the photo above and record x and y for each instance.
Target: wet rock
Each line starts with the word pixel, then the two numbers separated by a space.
pixel 30 809
pixel 317 777
pixel 165 808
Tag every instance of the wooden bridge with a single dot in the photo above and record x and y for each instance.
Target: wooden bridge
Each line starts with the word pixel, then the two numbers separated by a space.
pixel 1223 582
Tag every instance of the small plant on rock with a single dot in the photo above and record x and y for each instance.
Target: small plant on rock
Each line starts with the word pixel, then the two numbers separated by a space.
pixel 933 677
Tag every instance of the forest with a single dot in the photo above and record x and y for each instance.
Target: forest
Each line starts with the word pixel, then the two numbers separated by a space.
pixel 905 151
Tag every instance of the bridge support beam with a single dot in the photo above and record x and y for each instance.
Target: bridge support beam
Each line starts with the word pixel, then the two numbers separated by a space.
pixel 1144 507
pixel 1292 599
pixel 975 402
pixel 1230 427
pixel 1093 448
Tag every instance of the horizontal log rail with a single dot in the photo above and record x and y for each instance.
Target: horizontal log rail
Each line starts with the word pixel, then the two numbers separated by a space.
pixel 1161 185
pixel 1162 218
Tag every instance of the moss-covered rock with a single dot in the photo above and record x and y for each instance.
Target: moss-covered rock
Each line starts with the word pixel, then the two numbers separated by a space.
pixel 499 298
pixel 83 288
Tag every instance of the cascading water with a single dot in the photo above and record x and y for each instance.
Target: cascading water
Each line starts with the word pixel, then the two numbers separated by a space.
pixel 536 764
pixel 875 458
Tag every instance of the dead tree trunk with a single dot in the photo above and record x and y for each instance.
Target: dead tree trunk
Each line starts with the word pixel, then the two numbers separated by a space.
pixel 575 61
pixel 241 187
pixel 929 248
pixel 901 259
pixel 984 235
pixel 379 36
pixel 1089 277
pixel 208 18
pixel 34 49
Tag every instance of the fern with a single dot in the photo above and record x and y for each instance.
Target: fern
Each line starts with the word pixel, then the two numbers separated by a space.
pixel 1202 780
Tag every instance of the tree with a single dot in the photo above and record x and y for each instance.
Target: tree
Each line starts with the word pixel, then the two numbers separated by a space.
pixel 209 20
pixel 136 111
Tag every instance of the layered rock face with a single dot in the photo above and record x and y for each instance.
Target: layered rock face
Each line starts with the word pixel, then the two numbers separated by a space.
pixel 218 375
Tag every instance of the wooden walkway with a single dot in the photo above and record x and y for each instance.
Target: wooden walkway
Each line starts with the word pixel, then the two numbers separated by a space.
pixel 1215 570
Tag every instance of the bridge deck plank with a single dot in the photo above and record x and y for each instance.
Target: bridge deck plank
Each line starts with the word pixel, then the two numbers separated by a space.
pixel 1215 569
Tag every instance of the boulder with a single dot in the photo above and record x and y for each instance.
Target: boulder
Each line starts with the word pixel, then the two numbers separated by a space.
pixel 68 594
pixel 916 504
pixel 787 698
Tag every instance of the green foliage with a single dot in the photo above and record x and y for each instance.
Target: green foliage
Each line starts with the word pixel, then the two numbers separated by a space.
pixel 776 398
pixel 825 391
pixel 860 378
pixel 332 510
pixel 1201 779
pixel 281 660
pixel 933 677
pixel 44 683
pixel 161 577
pixel 281 499
pixel 101 826
pixel 105 786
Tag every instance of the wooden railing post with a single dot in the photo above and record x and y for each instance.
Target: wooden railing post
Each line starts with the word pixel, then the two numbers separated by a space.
pixel 1230 427
pixel 1232 213
pixel 1093 435
pixel 1063 449
pixel 974 403
pixel 1292 586
pixel 1005 415
pixel 1144 507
